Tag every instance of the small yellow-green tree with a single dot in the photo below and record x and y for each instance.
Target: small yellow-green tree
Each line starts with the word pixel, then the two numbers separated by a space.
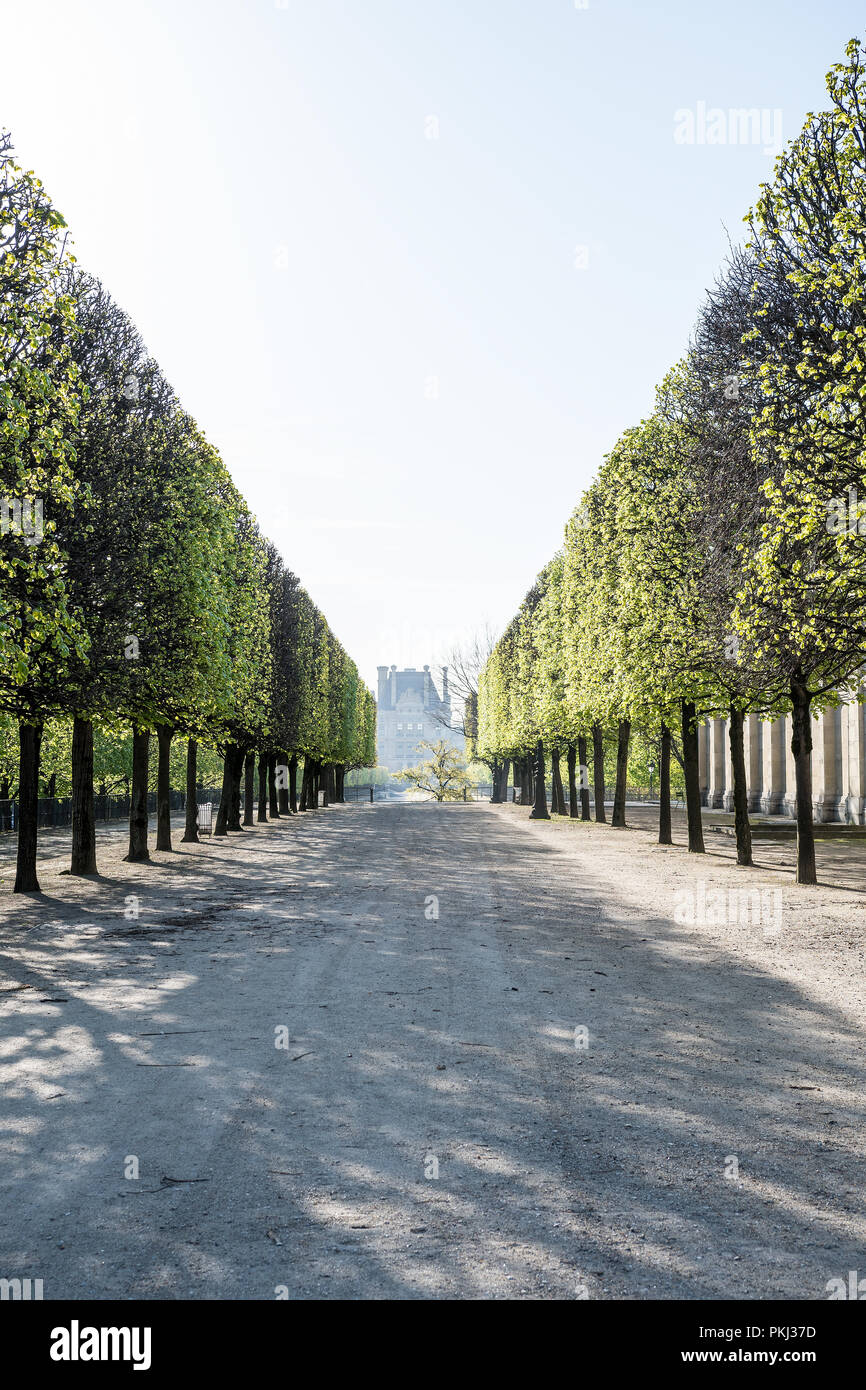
pixel 443 774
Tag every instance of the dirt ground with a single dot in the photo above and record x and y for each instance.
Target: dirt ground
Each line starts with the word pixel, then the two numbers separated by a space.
pixel 583 1078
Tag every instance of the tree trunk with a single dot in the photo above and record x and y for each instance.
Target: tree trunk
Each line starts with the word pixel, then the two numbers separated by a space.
pixel 741 794
pixel 341 784
pixel 500 786
pixel 539 810
pixel 293 783
pixel 190 830
pixel 273 804
pixel 164 735
pixel 249 788
pixel 283 788
pixel 526 796
pixel 262 814
pixel 598 773
pixel 138 817
pixel 557 794
pixel 571 765
pixel 30 748
pixel 326 774
pixel 234 822
pixel 665 836
pixel 83 801
pixel 305 780
pixel 801 747
pixel 222 820
pixel 622 742
pixel 584 778
pixel 691 770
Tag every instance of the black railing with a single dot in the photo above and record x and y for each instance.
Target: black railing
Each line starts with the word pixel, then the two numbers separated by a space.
pixel 632 794
pixel 57 811
pixel 385 792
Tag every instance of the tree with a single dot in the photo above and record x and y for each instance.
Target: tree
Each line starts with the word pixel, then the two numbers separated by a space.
pixel 466 660
pixel 804 602
pixel 247 604
pixel 715 565
pixel 443 774
pixel 39 629
pixel 135 587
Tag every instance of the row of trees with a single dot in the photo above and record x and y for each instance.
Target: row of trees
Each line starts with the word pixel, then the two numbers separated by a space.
pixel 716 565
pixel 136 589
pixel 112 761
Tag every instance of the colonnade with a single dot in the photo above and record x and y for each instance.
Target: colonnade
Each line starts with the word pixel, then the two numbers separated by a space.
pixel 838 765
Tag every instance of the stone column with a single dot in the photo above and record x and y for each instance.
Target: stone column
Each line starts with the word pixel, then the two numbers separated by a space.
pixel 728 794
pixel 773 779
pixel 753 737
pixel 789 801
pixel 703 760
pixel 827 795
pixel 854 769
pixel 717 764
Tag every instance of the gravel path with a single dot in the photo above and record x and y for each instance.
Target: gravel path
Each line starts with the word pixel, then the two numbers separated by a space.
pixel 430 1124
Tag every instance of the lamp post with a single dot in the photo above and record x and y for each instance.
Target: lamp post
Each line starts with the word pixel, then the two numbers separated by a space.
pixel 652 768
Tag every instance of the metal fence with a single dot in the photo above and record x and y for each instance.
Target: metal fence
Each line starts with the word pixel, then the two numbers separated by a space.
pixel 389 793
pixel 368 793
pixel 632 795
pixel 57 811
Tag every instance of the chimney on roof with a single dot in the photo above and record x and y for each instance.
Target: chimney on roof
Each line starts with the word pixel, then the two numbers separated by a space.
pixel 383 686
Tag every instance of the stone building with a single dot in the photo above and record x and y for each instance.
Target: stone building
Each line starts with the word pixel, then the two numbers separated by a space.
pixel 411 709
pixel 838 765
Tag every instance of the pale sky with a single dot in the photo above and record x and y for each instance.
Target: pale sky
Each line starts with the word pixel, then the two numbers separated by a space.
pixel 349 231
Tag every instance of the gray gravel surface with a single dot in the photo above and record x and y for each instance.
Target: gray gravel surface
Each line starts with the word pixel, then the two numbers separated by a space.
pixel 430 1125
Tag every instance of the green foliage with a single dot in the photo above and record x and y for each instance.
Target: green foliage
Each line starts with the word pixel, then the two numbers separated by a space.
pixel 39 630
pixel 700 565
pixel 443 775
pixel 151 597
